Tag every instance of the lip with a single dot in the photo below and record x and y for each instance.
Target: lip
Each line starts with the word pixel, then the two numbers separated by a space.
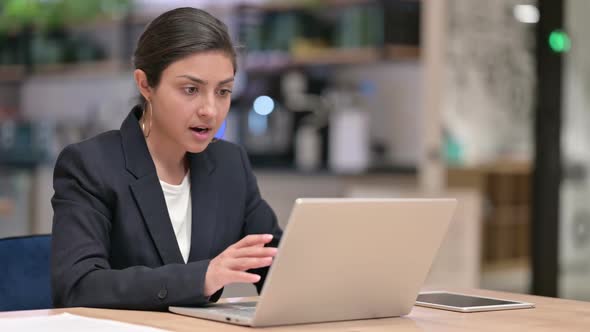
pixel 203 135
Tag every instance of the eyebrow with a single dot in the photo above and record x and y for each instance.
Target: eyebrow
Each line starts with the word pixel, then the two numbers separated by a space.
pixel 203 82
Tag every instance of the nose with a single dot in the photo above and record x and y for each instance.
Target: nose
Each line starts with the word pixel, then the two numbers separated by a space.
pixel 207 108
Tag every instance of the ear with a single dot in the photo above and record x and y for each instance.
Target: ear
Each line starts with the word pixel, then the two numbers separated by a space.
pixel 142 83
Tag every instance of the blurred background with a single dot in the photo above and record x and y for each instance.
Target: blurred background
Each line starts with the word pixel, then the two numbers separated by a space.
pixel 486 101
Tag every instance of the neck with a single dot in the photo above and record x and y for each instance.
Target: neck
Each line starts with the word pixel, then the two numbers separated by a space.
pixel 170 160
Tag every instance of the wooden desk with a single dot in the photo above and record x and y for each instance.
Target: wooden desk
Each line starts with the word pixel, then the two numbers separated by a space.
pixel 549 315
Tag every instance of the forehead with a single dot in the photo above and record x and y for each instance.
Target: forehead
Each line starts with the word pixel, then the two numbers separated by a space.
pixel 210 66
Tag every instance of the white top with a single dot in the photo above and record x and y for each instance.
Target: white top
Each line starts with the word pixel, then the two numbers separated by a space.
pixel 178 201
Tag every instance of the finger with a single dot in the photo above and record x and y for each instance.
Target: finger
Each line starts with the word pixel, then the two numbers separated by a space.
pixel 253 240
pixel 243 264
pixel 240 276
pixel 255 251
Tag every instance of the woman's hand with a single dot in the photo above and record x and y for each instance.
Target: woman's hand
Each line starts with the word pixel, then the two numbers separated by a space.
pixel 231 265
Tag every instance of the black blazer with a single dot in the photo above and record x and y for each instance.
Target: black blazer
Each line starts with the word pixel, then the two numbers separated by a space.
pixel 113 244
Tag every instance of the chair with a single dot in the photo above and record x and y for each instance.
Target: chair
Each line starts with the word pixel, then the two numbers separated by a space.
pixel 25 278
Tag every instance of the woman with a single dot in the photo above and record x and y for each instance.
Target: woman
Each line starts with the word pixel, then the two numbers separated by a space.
pixel 157 213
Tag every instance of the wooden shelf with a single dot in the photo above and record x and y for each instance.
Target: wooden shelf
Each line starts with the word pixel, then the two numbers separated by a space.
pixel 320 57
pixel 278 6
pixel 287 5
pixel 270 61
pixel 506 264
pixel 96 22
pixel 337 57
pixel 500 166
pixel 402 52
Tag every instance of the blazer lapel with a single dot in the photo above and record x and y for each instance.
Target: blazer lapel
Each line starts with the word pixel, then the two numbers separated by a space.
pixel 147 190
pixel 151 202
pixel 204 198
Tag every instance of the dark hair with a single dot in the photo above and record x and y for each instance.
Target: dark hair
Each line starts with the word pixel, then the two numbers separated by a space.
pixel 176 34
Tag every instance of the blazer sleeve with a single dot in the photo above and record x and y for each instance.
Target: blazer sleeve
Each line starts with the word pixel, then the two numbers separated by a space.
pixel 259 216
pixel 80 270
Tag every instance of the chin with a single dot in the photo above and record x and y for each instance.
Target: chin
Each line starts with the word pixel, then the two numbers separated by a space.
pixel 197 148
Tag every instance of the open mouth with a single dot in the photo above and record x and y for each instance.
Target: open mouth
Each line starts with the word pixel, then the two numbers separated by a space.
pixel 201 130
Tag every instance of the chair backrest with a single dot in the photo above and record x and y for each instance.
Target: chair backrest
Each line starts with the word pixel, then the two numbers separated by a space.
pixel 25 278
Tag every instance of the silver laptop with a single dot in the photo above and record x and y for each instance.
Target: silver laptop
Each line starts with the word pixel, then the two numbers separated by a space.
pixel 344 259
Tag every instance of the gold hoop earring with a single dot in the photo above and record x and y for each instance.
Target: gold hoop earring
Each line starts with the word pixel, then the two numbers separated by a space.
pixel 145 110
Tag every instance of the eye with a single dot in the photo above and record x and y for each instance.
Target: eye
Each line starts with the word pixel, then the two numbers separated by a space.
pixel 224 92
pixel 191 90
